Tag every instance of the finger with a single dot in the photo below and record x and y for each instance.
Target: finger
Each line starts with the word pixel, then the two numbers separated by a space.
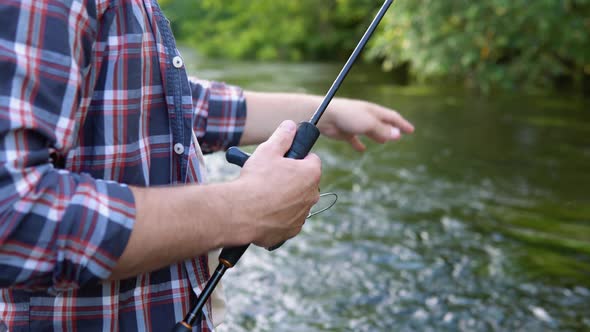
pixel 383 133
pixel 295 232
pixel 314 161
pixel 282 138
pixel 315 198
pixel 315 164
pixel 395 119
pixel 356 144
pixel 395 133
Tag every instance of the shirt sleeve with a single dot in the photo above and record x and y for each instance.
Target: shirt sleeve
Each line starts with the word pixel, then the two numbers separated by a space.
pixel 58 230
pixel 220 114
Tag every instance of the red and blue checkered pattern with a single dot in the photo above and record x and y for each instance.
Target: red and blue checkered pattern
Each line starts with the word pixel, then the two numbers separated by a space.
pixel 93 83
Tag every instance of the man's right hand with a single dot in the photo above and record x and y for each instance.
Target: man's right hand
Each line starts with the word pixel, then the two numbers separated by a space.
pixel 274 194
pixel 266 205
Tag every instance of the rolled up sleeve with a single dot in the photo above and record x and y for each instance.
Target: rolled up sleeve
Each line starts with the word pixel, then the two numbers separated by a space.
pixel 58 230
pixel 220 114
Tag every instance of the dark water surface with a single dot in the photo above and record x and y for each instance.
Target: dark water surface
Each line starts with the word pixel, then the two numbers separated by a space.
pixel 479 221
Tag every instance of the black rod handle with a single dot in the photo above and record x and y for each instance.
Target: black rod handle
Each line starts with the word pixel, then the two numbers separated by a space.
pixel 305 137
pixel 236 156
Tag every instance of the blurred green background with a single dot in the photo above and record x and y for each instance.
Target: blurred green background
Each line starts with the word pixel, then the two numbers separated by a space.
pixel 506 44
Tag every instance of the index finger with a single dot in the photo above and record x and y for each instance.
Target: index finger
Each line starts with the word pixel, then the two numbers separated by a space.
pixel 314 158
pixel 394 118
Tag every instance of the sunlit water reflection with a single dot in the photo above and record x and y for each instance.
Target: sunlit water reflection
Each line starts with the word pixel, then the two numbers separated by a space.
pixel 479 221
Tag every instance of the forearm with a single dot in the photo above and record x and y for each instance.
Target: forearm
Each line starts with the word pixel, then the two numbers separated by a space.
pixel 177 223
pixel 267 110
pixel 345 119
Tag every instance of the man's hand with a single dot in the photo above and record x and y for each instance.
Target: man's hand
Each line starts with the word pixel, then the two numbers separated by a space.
pixel 274 194
pixel 346 119
pixel 266 205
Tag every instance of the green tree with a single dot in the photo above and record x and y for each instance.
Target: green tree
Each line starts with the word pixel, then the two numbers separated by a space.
pixel 487 43
pixel 505 43
pixel 271 29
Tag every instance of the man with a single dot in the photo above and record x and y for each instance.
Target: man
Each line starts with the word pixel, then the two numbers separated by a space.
pixel 102 224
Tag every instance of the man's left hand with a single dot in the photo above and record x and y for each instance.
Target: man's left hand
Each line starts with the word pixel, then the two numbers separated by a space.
pixel 347 119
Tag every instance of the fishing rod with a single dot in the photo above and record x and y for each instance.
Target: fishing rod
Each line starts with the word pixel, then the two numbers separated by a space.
pixel 305 137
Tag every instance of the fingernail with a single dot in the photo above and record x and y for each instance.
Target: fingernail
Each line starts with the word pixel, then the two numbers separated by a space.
pixel 395 133
pixel 288 125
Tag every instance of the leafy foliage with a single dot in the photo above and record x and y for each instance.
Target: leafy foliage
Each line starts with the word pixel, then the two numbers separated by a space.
pixel 488 43
pixel 267 29
pixel 506 43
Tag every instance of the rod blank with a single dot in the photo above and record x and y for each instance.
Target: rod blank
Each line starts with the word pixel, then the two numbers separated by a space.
pixel 355 54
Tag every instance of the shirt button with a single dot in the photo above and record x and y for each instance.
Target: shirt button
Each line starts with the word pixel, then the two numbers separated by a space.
pixel 177 62
pixel 179 148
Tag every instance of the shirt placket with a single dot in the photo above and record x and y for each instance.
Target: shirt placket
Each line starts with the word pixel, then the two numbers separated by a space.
pixel 177 89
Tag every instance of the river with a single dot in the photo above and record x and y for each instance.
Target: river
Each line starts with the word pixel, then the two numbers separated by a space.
pixel 480 221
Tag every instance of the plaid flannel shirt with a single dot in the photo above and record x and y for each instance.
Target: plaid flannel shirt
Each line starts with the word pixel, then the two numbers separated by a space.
pixel 100 85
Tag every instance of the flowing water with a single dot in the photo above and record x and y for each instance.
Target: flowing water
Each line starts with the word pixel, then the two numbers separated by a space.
pixel 480 221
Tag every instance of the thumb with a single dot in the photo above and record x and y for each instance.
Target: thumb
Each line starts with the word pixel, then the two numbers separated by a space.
pixel 383 133
pixel 280 141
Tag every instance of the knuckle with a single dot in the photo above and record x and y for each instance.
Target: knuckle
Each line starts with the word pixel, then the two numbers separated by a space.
pixel 283 139
pixel 262 148
pixel 295 231
pixel 315 158
pixel 317 175
pixel 313 176
pixel 301 221
pixel 314 168
pixel 315 198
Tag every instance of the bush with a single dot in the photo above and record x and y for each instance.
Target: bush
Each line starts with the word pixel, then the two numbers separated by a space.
pixel 504 43
pixel 487 43
pixel 269 30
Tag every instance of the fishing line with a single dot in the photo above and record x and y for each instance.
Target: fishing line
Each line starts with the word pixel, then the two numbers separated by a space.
pixel 329 199
pixel 357 170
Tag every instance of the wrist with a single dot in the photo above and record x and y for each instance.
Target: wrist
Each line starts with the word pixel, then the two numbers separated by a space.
pixel 233 229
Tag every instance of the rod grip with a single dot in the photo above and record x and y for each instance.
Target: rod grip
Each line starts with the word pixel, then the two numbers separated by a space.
pixel 305 137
